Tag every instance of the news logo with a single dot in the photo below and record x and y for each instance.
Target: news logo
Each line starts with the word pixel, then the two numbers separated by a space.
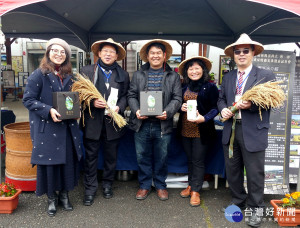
pixel 233 213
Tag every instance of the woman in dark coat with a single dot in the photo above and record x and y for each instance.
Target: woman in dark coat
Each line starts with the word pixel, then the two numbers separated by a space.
pixel 56 143
pixel 197 133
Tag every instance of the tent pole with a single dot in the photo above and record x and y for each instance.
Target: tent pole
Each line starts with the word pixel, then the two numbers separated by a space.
pixel 1 45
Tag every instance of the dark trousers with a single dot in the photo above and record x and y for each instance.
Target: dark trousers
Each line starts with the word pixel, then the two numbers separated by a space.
pixel 110 150
pixel 195 152
pixel 254 164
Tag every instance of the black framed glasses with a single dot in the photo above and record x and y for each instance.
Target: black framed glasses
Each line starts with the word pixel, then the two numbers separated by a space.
pixel 238 52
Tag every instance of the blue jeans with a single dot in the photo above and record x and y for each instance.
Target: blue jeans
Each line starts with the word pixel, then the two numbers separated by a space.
pixel 152 152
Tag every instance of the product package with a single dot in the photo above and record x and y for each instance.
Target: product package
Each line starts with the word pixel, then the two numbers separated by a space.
pixel 67 104
pixel 191 109
pixel 151 103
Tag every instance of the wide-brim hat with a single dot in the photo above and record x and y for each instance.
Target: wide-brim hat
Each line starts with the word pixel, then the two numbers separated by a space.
pixel 206 61
pixel 60 42
pixel 143 51
pixel 121 50
pixel 244 39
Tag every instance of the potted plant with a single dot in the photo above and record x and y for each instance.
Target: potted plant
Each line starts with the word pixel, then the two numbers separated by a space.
pixel 287 210
pixel 20 95
pixel 9 198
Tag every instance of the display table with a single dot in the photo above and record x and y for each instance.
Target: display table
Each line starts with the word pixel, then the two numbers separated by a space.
pixel 177 160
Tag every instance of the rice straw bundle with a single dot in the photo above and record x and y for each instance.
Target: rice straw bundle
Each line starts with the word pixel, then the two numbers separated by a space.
pixel 266 95
pixel 87 92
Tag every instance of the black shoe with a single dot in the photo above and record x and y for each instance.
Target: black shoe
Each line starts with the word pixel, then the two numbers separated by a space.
pixel 63 199
pixel 107 193
pixel 88 200
pixel 254 220
pixel 52 204
pixel 242 206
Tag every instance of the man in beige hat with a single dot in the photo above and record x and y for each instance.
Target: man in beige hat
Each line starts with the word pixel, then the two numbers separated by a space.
pixel 153 133
pixel 251 133
pixel 113 83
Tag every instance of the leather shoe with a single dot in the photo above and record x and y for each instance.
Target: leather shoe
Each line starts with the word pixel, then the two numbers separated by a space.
pixel 63 199
pixel 107 193
pixel 195 199
pixel 88 200
pixel 254 220
pixel 186 192
pixel 242 206
pixel 162 194
pixel 52 204
pixel 142 194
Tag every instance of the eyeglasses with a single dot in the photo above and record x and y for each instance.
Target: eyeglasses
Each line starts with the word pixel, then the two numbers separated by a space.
pixel 238 52
pixel 56 51
pixel 106 51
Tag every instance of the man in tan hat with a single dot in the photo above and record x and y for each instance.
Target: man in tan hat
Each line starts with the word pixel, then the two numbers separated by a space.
pixel 113 83
pixel 251 133
pixel 153 133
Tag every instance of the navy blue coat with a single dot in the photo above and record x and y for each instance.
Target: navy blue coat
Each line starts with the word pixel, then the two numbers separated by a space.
pixel 255 130
pixel 48 137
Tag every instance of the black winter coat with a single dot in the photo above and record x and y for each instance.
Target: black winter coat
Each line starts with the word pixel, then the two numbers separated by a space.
pixel 171 89
pixel 206 101
pixel 93 125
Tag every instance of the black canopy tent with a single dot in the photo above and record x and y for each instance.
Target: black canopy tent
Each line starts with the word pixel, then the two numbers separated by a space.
pixel 213 22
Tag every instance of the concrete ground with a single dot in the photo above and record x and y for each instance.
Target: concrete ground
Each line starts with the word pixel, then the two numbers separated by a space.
pixel 123 210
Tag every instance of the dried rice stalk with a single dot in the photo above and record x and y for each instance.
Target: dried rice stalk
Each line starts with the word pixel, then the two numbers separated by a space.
pixel 266 95
pixel 87 92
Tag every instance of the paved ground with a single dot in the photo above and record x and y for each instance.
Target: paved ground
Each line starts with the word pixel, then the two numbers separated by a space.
pixel 123 210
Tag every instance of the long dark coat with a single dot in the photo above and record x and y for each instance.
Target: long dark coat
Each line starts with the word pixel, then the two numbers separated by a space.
pixel 48 137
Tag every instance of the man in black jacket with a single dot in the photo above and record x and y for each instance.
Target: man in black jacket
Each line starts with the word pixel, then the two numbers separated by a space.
pixel 153 133
pixel 112 82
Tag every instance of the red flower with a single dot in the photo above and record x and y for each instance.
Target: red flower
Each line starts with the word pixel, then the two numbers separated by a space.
pixel 7 189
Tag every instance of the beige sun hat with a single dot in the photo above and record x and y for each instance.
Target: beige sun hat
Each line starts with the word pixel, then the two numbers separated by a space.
pixel 143 51
pixel 204 59
pixel 244 39
pixel 121 50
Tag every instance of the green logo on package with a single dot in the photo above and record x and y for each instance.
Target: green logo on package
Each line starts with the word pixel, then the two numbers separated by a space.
pixel 69 103
pixel 190 108
pixel 151 101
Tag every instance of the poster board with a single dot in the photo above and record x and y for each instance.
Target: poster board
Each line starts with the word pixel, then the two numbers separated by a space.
pixel 174 61
pixel 282 64
pixel 17 64
pixel 22 76
pixel 226 64
pixel 295 128
pixel 8 78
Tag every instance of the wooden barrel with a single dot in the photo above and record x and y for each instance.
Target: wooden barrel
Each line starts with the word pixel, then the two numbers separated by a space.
pixel 18 170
